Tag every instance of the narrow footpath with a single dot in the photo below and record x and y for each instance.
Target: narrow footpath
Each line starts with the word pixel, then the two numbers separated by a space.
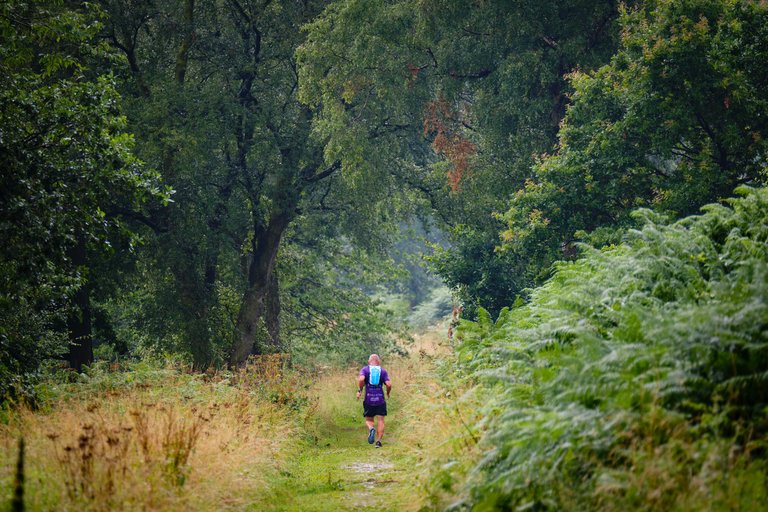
pixel 333 468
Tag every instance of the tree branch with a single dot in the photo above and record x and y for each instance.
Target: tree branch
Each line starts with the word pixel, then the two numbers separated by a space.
pixel 311 177
pixel 139 217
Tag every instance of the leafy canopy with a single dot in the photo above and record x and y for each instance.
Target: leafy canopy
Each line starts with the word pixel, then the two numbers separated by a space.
pixel 676 120
pixel 454 99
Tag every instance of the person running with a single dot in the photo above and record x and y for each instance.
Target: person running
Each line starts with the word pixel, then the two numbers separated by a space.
pixel 374 378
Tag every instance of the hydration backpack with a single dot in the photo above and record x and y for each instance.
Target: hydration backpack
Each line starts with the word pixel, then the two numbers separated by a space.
pixel 374 376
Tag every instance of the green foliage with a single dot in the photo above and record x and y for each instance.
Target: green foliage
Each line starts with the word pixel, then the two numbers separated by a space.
pixel 656 345
pixel 480 275
pixel 675 121
pixel 212 95
pixel 68 172
pixel 435 308
pixel 448 99
pixel 331 311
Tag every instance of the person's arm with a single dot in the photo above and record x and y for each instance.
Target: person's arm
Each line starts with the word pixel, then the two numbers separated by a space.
pixel 360 385
pixel 388 383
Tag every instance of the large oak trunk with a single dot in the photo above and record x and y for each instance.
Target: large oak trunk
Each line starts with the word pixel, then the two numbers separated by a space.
pixel 261 280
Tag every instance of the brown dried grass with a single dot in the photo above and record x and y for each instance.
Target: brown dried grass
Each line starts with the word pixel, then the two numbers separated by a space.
pixel 150 448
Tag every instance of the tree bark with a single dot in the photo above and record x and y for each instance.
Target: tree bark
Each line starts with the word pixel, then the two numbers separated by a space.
pixel 196 295
pixel 266 243
pixel 182 57
pixel 272 311
pixel 79 321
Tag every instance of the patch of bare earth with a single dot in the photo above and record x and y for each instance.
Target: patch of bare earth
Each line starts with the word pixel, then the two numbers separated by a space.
pixel 378 476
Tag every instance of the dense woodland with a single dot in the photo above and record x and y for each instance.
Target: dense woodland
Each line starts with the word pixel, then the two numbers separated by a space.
pixel 200 182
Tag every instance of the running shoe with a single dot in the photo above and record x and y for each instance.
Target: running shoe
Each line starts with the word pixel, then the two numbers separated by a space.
pixel 378 444
pixel 371 435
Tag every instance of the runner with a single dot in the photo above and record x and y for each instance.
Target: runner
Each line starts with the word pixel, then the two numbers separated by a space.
pixel 374 378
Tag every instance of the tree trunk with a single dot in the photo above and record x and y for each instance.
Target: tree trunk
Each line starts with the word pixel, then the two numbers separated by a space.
pixel 272 311
pixel 182 56
pixel 79 321
pixel 196 294
pixel 266 243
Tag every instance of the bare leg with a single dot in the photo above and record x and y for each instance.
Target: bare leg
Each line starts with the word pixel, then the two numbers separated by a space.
pixel 380 431
pixel 371 430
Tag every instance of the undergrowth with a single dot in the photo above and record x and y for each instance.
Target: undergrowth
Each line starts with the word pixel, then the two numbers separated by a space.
pixel 635 378
pixel 153 437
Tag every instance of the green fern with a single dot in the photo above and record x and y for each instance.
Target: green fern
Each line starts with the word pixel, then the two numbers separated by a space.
pixel 663 337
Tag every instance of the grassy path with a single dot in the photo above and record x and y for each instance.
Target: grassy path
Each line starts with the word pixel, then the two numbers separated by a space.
pixel 106 443
pixel 334 468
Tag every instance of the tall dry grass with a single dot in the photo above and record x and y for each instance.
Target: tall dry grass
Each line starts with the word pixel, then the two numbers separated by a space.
pixel 184 443
pixel 179 441
pixel 436 419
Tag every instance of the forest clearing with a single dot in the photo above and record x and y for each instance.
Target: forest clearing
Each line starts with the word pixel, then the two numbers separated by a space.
pixel 549 220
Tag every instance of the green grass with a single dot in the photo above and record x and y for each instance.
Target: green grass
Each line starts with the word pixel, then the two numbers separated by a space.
pixel 266 440
pixel 332 467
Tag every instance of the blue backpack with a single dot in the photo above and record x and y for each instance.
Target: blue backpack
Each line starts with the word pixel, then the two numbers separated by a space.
pixel 374 376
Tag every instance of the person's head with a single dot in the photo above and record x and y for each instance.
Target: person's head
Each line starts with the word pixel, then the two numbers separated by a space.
pixel 374 360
